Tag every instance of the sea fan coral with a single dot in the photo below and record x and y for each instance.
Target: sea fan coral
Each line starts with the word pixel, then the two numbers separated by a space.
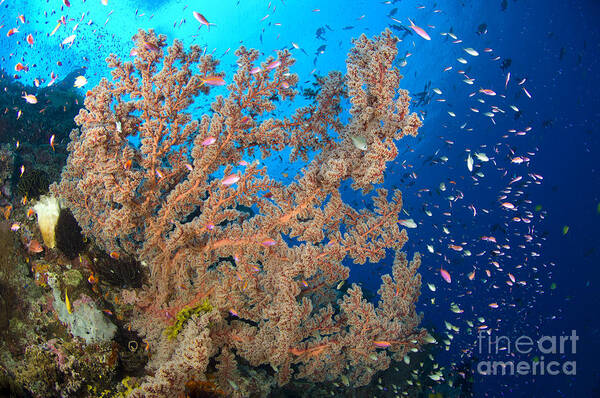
pixel 270 276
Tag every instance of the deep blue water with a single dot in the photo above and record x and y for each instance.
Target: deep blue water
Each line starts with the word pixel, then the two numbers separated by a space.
pixel 554 45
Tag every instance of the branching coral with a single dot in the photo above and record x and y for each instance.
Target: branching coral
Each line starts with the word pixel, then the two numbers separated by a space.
pixel 175 203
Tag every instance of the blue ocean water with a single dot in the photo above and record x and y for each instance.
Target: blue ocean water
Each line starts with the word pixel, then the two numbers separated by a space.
pixel 543 268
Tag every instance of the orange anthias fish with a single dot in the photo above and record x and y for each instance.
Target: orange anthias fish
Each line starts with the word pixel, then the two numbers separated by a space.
pixel 7 210
pixel 455 247
pixel 34 247
pixel 92 279
pixel 20 67
pixel 213 81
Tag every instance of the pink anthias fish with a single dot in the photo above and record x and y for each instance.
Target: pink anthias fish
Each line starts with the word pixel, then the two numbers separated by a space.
pixel 213 81
pixel 419 30
pixel 148 46
pixel 209 141
pixel 382 343
pixel 230 179
pixel 487 91
pixel 268 242
pixel 446 275
pixel 203 21
pixel 273 64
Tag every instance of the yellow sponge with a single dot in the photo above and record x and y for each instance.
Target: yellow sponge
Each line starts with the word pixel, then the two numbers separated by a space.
pixel 47 210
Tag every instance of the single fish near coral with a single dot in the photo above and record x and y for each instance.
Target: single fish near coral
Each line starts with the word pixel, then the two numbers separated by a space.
pixel 382 344
pixel 30 98
pixel 273 64
pixel 34 247
pixel 359 142
pixel 209 141
pixel 12 32
pixel 30 39
pixel 419 30
pixel 80 81
pixel 409 223
pixel 203 21
pixel 92 279
pixel 268 242
pixel 7 211
pixel 68 303
pixel 230 179
pixel 213 81
pixel 149 46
